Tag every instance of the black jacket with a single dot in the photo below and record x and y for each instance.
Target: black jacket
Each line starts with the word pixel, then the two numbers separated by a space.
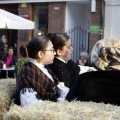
pixel 97 86
pixel 66 73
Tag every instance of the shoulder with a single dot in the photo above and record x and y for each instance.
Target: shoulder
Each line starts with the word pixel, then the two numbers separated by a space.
pixel 4 57
pixel 100 75
pixel 71 62
pixel 73 65
pixel 15 58
pixel 57 63
pixel 30 67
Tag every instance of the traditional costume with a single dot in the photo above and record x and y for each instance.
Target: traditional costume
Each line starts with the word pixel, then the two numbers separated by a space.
pixel 36 83
pixel 65 72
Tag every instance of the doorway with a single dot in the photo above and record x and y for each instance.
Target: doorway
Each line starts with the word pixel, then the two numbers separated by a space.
pixel 41 19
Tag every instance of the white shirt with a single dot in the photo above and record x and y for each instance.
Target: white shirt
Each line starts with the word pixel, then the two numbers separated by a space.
pixel 84 69
pixel 61 59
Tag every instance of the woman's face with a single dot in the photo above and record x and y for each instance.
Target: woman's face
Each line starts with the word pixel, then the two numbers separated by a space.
pixel 66 51
pixel 48 54
pixel 10 52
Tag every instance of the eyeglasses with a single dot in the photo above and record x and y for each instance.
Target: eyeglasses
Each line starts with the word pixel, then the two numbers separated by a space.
pixel 53 50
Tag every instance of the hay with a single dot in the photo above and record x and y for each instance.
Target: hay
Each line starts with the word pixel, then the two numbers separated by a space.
pixel 7 89
pixel 53 111
pixel 64 111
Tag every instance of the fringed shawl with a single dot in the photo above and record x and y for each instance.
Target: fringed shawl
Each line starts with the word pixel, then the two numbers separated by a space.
pixel 32 77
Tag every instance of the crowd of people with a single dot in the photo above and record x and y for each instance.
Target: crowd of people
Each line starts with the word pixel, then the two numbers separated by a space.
pixel 46 71
pixel 7 58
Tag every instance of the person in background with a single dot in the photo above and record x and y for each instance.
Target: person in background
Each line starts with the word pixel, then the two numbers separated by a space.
pixel 23 60
pixel 3 47
pixel 84 59
pixel 10 60
pixel 36 82
pixel 63 67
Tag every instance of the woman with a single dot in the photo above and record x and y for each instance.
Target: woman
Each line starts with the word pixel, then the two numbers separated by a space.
pixel 36 82
pixel 23 60
pixel 10 60
pixel 65 69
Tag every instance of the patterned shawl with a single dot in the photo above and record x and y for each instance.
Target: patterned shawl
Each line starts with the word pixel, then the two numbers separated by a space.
pixel 105 55
pixel 32 77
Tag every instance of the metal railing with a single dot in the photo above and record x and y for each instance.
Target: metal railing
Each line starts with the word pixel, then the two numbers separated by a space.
pixel 79 39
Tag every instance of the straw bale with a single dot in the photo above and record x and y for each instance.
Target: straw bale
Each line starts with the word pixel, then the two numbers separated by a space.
pixel 7 89
pixel 64 111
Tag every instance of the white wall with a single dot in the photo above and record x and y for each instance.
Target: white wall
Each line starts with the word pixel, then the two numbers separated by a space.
pixel 112 20
pixel 115 22
pixel 74 15
pixel 78 14
pixel 87 20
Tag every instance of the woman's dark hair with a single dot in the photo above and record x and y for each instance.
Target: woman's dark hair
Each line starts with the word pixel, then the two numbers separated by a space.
pixel 23 51
pixel 58 39
pixel 37 44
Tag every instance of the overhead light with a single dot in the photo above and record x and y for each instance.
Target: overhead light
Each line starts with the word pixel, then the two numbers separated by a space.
pixel 39 33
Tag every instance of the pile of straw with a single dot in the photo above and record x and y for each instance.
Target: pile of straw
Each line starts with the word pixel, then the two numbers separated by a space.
pixel 7 89
pixel 64 111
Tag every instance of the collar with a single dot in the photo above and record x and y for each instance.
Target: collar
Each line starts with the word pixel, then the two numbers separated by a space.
pixel 36 63
pixel 61 59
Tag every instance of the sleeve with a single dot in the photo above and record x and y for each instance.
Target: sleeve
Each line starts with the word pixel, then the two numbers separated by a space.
pixel 62 91
pixel 29 98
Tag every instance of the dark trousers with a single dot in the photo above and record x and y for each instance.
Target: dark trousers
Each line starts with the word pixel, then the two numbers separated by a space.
pixel 10 74
pixel 97 86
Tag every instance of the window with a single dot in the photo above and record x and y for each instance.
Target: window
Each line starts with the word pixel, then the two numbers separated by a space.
pixel 41 20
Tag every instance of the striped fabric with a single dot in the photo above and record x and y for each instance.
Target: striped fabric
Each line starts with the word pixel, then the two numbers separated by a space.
pixel 32 77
